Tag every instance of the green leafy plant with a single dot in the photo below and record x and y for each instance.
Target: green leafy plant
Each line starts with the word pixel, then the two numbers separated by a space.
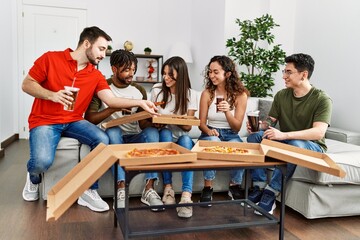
pixel 254 50
pixel 147 49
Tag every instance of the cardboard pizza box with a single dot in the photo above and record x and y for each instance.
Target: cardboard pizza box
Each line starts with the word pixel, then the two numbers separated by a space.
pixel 65 192
pixel 121 150
pixel 176 119
pixel 302 157
pixel 255 152
pixel 126 119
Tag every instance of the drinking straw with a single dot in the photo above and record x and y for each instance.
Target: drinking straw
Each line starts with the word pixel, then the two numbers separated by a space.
pixel 73 82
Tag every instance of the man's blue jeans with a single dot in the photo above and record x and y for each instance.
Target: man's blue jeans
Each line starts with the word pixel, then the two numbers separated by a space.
pixel 185 141
pixel 259 176
pixel 44 140
pixel 226 135
pixel 116 136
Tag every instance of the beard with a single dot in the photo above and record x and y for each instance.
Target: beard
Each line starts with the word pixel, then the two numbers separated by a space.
pixel 91 58
pixel 125 81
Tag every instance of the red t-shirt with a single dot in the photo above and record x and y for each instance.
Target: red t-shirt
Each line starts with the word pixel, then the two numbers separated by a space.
pixel 53 71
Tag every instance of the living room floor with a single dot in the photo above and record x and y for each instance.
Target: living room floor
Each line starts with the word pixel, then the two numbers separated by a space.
pixel 27 220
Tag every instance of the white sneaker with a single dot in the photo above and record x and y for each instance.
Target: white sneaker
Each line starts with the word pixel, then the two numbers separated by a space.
pixel 169 196
pixel 30 191
pixel 91 199
pixel 151 198
pixel 121 198
pixel 185 212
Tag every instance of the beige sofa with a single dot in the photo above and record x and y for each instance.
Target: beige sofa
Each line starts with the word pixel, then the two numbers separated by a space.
pixel 313 194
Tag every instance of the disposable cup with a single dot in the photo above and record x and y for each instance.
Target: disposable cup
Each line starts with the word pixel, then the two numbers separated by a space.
pixel 75 92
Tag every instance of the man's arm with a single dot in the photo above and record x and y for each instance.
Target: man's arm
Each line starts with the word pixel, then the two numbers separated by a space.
pixel 95 116
pixel 33 88
pixel 317 132
pixel 116 102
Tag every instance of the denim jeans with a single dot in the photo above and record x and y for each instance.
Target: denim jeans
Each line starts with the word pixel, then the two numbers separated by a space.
pixel 259 176
pixel 185 141
pixel 226 135
pixel 116 136
pixel 44 140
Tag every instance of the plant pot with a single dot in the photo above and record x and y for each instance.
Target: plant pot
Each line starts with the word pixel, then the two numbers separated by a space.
pixel 147 53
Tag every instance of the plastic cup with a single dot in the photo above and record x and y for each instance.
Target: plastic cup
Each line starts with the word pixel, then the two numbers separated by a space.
pixel 253 118
pixel 74 95
pixel 219 99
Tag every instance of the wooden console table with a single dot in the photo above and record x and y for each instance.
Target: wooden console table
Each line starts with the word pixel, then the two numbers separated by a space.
pixel 173 225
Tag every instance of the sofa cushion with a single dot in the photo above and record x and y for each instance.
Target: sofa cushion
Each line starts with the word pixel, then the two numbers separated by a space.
pixel 347 156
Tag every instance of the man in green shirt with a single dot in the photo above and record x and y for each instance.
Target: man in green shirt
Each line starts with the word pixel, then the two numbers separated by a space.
pixel 303 113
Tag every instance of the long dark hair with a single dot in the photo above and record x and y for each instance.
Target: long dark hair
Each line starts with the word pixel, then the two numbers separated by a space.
pixel 233 85
pixel 182 86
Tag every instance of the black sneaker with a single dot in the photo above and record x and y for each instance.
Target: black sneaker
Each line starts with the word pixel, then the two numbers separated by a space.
pixel 206 195
pixel 255 194
pixel 236 192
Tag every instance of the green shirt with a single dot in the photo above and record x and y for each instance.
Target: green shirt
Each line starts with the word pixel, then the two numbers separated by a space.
pixel 296 114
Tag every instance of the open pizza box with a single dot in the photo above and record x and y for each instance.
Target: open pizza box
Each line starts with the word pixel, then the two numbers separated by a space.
pixel 306 158
pixel 65 192
pixel 176 119
pixel 254 151
pixel 126 119
pixel 121 150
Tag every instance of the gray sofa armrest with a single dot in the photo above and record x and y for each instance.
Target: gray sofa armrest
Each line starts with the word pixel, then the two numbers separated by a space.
pixel 343 135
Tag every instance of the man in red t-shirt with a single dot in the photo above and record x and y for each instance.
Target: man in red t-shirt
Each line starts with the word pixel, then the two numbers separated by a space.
pixel 48 121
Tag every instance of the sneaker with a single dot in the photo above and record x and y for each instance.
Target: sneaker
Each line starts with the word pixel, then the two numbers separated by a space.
pixel 169 196
pixel 236 192
pixel 206 195
pixel 185 212
pixel 255 194
pixel 151 198
pixel 30 191
pixel 267 202
pixel 91 199
pixel 121 198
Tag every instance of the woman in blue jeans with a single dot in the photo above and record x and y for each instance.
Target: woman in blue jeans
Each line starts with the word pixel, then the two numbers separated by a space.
pixel 222 110
pixel 178 98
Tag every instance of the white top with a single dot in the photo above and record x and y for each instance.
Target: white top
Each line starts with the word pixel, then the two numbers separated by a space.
pixel 169 109
pixel 130 92
pixel 217 119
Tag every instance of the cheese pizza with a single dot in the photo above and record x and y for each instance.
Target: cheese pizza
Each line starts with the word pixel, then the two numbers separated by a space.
pixel 228 150
pixel 151 152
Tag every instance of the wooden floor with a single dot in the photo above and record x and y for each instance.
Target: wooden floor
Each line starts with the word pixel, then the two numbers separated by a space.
pixel 26 220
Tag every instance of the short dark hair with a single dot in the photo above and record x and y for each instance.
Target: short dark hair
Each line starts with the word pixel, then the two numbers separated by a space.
pixel 123 58
pixel 92 34
pixel 302 62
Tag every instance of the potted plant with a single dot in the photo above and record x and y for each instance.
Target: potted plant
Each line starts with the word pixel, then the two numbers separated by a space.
pixel 147 51
pixel 109 50
pixel 254 50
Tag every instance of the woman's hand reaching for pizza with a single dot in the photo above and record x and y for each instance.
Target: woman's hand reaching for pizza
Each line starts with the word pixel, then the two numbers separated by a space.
pixel 213 132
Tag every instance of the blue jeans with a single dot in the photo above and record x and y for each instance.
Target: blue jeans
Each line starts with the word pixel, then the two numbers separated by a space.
pixel 259 176
pixel 225 135
pixel 44 140
pixel 116 136
pixel 185 141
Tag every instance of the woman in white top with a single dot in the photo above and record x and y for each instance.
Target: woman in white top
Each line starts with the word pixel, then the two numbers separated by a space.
pixel 222 121
pixel 178 99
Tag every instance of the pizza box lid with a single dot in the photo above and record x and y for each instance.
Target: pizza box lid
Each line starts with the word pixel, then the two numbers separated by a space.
pixel 176 119
pixel 302 157
pixel 120 151
pixel 255 154
pixel 65 192
pixel 126 119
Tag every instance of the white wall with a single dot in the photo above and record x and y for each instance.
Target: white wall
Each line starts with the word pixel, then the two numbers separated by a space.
pixel 8 83
pixel 327 30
